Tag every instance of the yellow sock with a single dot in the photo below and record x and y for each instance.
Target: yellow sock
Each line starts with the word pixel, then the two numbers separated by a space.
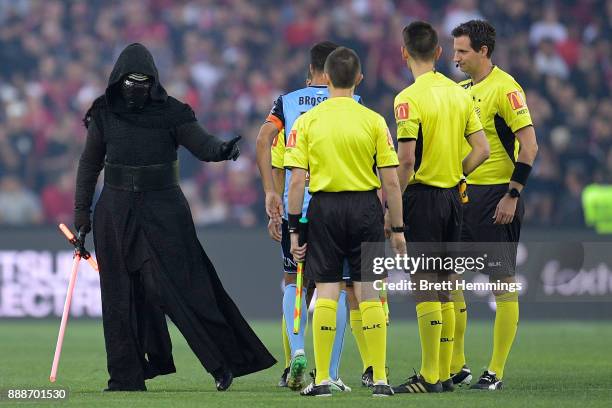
pixel 357 329
pixel 286 346
pixel 458 360
pixel 446 339
pixel 429 316
pixel 323 335
pixel 506 322
pixel 375 335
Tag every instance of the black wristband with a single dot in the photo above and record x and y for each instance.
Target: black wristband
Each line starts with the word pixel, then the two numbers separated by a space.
pixel 398 229
pixel 294 222
pixel 521 173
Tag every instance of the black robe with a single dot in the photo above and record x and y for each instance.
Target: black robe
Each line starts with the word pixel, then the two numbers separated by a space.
pixel 151 262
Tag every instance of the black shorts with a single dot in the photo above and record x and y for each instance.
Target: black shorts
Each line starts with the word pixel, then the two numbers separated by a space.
pixel 432 217
pixel 338 225
pixel 500 242
pixel 290 266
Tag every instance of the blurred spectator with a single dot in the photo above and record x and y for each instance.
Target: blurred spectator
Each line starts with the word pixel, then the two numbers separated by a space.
pixel 570 203
pixel 241 193
pixel 18 205
pixel 230 59
pixel 548 28
pixel 548 62
pixel 21 142
pixel 58 200
pixel 460 11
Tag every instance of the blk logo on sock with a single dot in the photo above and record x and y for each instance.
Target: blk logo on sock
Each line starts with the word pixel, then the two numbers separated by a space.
pixel 435 322
pixel 374 326
pixel 328 328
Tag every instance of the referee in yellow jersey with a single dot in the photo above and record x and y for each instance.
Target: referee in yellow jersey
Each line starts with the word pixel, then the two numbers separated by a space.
pixel 434 116
pixel 342 143
pixel 495 208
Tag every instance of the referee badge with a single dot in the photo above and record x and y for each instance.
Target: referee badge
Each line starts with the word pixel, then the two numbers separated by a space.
pixel 516 99
pixel 401 111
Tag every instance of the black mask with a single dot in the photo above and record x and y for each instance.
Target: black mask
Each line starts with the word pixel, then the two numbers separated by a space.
pixel 135 89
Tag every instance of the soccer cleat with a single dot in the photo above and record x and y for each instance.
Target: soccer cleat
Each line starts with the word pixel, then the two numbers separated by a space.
pixel 295 381
pixel 313 390
pixel 463 377
pixel 488 381
pixel 224 380
pixel 447 385
pixel 336 385
pixel 367 378
pixel 417 384
pixel 382 390
pixel 283 380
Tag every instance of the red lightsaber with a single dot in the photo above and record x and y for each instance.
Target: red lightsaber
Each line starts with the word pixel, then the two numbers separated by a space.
pixel 79 252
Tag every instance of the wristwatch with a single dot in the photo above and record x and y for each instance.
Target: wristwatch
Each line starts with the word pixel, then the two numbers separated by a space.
pixel 514 193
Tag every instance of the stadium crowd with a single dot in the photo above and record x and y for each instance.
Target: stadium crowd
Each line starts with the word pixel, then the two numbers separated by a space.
pixel 230 59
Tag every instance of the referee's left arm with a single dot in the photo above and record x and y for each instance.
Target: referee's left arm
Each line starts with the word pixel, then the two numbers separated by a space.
pixel 527 152
pixel 296 191
pixel 513 109
pixel 296 159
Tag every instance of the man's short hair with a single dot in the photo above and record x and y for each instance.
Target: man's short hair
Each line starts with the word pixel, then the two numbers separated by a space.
pixel 319 53
pixel 342 66
pixel 421 40
pixel 480 33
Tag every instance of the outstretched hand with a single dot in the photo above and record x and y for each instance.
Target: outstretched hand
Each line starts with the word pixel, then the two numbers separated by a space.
pixel 230 149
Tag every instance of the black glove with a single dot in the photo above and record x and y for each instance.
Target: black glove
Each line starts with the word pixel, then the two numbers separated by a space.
pixel 79 248
pixel 230 150
pixel 82 221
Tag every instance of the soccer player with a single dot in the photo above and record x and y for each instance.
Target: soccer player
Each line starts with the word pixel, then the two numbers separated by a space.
pixel 434 116
pixel 340 142
pixel 495 209
pixel 287 108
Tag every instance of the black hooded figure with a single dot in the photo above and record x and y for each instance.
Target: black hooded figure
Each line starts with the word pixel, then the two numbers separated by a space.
pixel 151 262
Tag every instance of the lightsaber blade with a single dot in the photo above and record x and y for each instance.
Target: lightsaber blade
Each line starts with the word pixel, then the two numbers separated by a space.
pixel 65 314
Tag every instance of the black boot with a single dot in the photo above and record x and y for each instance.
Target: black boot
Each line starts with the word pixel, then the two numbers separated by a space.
pixel 223 379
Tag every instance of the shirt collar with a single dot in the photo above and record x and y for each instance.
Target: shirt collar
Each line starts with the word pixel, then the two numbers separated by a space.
pixel 425 75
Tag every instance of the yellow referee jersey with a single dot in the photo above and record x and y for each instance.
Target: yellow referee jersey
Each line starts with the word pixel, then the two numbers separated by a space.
pixel 278 150
pixel 502 108
pixel 342 143
pixel 439 115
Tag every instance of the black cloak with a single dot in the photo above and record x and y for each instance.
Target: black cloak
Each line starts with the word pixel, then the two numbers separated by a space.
pixel 151 262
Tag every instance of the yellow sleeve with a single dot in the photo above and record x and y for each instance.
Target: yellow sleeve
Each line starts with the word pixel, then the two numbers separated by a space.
pixel 385 151
pixel 407 118
pixel 473 124
pixel 296 147
pixel 512 105
pixel 278 150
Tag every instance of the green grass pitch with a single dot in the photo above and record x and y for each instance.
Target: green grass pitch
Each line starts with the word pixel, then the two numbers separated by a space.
pixel 553 364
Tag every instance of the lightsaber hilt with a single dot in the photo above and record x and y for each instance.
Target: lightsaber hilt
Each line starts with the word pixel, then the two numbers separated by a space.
pixel 79 245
